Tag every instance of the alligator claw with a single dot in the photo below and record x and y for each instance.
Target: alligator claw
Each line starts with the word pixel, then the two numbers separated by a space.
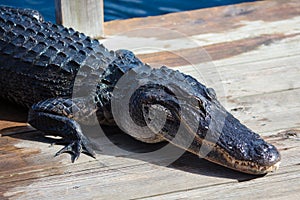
pixel 75 148
pixel 89 151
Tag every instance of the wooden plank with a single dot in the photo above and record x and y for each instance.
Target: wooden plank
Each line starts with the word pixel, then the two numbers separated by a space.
pixel 202 54
pixel 142 179
pixel 82 15
pixel 256 189
pixel 249 79
pixel 268 113
pixel 210 20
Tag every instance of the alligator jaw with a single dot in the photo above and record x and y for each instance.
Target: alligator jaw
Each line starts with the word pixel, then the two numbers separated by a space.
pixel 219 156
pixel 249 167
pixel 225 141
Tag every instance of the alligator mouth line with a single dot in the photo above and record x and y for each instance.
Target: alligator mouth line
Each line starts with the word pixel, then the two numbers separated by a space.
pixel 249 167
pixel 221 157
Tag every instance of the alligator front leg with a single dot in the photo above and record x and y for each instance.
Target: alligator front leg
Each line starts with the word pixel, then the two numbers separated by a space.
pixel 56 117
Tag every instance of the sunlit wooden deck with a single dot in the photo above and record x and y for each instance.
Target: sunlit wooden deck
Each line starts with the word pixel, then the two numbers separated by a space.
pixel 253 63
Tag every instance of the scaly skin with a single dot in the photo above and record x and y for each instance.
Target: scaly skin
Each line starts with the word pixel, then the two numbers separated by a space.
pixel 64 77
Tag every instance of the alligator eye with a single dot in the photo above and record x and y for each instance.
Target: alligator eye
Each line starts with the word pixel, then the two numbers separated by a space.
pixel 201 105
pixel 211 93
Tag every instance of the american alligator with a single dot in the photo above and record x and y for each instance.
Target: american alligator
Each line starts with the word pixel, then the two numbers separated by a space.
pixel 42 63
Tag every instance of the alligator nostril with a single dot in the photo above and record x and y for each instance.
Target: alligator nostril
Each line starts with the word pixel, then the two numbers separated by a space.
pixel 265 147
pixel 260 149
pixel 267 154
pixel 274 155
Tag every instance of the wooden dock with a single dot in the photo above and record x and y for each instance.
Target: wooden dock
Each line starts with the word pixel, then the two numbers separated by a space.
pixel 249 52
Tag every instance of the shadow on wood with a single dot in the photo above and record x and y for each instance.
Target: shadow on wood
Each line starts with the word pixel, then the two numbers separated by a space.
pixel 187 162
pixel 12 112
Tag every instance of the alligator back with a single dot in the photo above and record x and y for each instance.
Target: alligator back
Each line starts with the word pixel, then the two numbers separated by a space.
pixel 40 60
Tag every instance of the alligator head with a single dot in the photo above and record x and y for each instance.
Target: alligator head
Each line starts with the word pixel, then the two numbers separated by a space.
pixel 177 108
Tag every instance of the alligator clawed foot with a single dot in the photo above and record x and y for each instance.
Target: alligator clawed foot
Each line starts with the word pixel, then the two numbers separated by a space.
pixel 75 148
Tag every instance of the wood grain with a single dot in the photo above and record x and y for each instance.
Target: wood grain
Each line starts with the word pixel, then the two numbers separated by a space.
pixel 83 15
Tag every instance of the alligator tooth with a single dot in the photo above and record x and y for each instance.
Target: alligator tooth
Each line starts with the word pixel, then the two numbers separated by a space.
pixel 236 163
pixel 276 166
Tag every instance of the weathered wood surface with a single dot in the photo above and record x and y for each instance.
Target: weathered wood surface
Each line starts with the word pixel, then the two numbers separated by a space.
pixel 82 15
pixel 254 49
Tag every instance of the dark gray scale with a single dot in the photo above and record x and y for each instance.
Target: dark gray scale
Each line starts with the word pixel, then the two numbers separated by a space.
pixel 43 58
pixel 55 117
pixel 125 61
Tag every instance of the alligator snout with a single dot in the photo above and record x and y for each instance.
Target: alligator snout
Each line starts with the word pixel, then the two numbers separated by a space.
pixel 238 147
pixel 265 154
